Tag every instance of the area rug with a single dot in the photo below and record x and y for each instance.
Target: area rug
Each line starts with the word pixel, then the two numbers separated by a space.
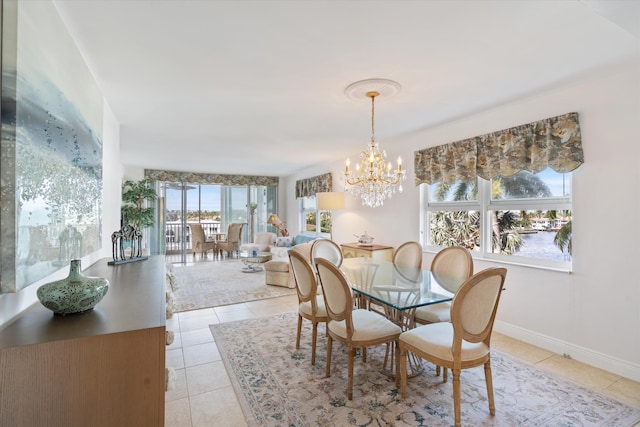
pixel 277 386
pixel 216 283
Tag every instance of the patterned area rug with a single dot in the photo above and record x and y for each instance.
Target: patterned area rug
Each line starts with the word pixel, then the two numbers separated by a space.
pixel 277 386
pixel 216 283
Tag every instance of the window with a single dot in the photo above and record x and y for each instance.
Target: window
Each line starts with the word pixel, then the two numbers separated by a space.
pixel 525 218
pixel 313 221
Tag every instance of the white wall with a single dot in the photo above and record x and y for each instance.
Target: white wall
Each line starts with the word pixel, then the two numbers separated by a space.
pixel 593 314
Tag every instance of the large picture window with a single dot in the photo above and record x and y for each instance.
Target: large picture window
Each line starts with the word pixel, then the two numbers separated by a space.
pixel 504 195
pixel 525 218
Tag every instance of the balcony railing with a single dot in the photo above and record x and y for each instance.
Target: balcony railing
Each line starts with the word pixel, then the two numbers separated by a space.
pixel 173 237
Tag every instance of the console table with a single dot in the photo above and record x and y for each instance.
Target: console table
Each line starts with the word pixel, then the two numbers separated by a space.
pixel 374 252
pixel 104 367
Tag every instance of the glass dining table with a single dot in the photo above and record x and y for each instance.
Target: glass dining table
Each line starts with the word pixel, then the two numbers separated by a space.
pixel 396 292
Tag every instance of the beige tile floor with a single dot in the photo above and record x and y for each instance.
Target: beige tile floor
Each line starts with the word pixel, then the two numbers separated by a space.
pixel 203 395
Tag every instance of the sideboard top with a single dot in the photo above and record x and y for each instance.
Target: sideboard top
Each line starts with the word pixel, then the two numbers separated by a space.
pixel 135 300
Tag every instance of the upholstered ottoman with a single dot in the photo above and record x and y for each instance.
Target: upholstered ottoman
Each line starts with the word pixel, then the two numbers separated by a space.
pixel 277 273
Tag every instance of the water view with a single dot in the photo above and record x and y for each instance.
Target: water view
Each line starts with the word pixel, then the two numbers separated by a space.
pixel 540 245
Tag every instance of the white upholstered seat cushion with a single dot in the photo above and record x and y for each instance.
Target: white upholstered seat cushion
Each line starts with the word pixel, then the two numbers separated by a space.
pixel 437 338
pixel 367 325
pixel 305 307
pixel 434 313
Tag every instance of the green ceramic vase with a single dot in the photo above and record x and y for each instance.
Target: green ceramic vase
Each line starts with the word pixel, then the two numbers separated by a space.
pixel 76 293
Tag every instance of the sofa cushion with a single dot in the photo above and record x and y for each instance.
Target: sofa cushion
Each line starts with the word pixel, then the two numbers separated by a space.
pixel 303 238
pixel 284 241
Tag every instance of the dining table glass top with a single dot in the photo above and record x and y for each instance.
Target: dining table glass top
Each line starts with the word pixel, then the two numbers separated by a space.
pixel 400 287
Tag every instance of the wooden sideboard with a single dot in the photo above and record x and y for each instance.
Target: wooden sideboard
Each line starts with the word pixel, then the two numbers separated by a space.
pixel 375 252
pixel 104 367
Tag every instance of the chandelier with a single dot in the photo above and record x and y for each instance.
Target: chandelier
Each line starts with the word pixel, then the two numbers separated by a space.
pixel 374 180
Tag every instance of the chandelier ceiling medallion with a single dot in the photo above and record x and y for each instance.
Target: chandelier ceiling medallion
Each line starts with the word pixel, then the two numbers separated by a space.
pixel 373 180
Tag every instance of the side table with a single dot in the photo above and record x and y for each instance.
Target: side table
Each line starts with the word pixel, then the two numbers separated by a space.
pixel 374 252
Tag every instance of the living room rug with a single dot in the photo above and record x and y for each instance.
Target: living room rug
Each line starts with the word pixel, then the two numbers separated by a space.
pixel 277 386
pixel 216 283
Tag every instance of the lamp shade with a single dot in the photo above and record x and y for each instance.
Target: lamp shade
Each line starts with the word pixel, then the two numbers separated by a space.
pixel 274 220
pixel 329 201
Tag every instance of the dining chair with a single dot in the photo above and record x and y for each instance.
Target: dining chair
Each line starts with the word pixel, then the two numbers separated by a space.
pixel 310 304
pixel 465 342
pixel 199 242
pixel 355 328
pixel 407 269
pixel 450 267
pixel 408 254
pixel 327 249
pixel 232 242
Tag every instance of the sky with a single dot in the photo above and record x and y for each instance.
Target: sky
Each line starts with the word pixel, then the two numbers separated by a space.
pixel 210 198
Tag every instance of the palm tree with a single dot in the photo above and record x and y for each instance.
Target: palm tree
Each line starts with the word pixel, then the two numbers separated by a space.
pixel 447 228
pixel 563 239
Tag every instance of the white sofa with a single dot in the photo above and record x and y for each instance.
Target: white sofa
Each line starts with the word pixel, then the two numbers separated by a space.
pixel 262 242
pixel 277 270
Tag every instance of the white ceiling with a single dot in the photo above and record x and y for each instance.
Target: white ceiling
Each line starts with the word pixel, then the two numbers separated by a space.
pixel 257 87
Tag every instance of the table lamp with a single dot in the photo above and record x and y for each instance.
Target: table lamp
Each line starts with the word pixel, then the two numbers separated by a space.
pixel 330 201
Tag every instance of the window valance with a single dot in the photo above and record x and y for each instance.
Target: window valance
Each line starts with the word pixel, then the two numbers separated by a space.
pixel 554 142
pixel 317 184
pixel 208 178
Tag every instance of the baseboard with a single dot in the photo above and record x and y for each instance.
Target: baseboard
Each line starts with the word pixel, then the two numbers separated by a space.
pixel 599 360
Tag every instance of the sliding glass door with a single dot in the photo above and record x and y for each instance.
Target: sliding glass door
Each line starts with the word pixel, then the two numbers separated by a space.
pixel 214 207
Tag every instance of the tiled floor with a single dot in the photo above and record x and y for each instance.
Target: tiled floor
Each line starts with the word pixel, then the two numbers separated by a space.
pixel 203 395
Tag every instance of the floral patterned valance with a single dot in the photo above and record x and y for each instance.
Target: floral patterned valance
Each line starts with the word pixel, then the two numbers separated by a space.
pixel 555 142
pixel 317 184
pixel 208 178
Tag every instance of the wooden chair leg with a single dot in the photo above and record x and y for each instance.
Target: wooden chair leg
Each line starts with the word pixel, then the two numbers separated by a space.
pixel 489 381
pixel 456 396
pixel 352 354
pixel 329 345
pixel 403 372
pixel 445 375
pixel 313 343
pixel 437 371
pixel 395 346
pixel 299 331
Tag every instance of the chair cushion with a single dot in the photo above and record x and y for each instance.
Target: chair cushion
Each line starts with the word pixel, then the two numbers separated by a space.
pixel 434 313
pixel 437 338
pixel 305 307
pixel 367 326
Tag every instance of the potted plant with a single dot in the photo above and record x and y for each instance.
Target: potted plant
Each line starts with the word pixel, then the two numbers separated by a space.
pixel 137 209
pixel 137 213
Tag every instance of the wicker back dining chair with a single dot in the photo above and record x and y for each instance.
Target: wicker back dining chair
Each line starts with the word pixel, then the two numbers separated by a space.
pixel 232 243
pixel 199 242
